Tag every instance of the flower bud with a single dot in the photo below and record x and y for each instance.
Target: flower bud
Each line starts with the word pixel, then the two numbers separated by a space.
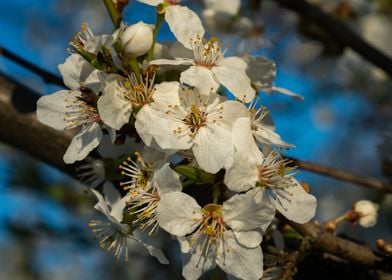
pixel 330 226
pixel 366 213
pixel 137 39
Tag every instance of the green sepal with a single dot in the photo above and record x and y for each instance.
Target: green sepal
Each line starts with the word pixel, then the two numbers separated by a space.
pixel 194 174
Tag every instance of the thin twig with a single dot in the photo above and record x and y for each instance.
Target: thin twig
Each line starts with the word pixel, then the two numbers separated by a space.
pixel 114 13
pixel 21 129
pixel 344 35
pixel 326 242
pixel 369 182
pixel 343 175
pixel 45 75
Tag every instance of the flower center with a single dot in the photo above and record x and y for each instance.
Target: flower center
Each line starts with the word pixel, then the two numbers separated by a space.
pixel 275 172
pixel 138 171
pixel 195 119
pixel 139 93
pixel 144 204
pixel 206 53
pixel 82 109
pixel 209 234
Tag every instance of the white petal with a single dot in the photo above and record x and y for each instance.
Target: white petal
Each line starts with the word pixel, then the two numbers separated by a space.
pixel 101 205
pixel 239 261
pixel 249 239
pixel 177 61
pixel 167 93
pixel 230 7
pixel 51 109
pixel 242 213
pixel 261 71
pixel 145 120
pixel 200 77
pixel 184 23
pixel 178 213
pixel 368 220
pixel 264 135
pixel 168 180
pixel 151 2
pixel 210 153
pixel 197 262
pixel 295 204
pixel 83 143
pixel 244 141
pixel 152 124
pixel 286 92
pixel 113 108
pixel 231 72
pixel 177 50
pixel 155 252
pixel 261 197
pixel 241 176
pixel 76 71
pixel 232 110
pixel 113 197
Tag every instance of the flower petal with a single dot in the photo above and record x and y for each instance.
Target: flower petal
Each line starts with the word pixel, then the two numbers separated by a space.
pixel 261 71
pixel 178 213
pixel 286 92
pixel 184 23
pixel 155 252
pixel 113 108
pixel 248 239
pixel 177 61
pixel 76 72
pixel 231 72
pixel 151 2
pixel 197 262
pixel 83 143
pixel 239 261
pixel 209 152
pixel 168 180
pixel 200 77
pixel 242 213
pixel 295 204
pixel 52 108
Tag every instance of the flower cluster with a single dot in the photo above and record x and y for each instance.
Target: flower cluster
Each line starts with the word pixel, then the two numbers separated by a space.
pixel 171 126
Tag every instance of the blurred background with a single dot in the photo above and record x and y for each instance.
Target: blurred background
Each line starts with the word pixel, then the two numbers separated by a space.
pixel 344 122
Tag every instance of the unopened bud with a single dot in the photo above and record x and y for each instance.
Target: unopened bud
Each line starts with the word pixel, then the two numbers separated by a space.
pixel 137 39
pixel 330 226
pixel 384 246
pixel 365 213
pixel 305 186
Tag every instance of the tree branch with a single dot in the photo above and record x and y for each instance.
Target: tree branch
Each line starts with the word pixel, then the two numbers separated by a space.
pixel 369 182
pixel 326 242
pixel 45 75
pixel 20 128
pixel 341 32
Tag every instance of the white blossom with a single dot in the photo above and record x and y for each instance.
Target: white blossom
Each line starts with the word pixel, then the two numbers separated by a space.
pixel 75 108
pixel 87 41
pixel 366 213
pixel 112 233
pixel 250 170
pixel 209 69
pixel 262 72
pixel 225 235
pixel 189 120
pixel 183 22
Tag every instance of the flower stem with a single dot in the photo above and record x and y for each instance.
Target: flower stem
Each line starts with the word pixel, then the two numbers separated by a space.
pixel 114 13
pixel 160 18
pixel 135 68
